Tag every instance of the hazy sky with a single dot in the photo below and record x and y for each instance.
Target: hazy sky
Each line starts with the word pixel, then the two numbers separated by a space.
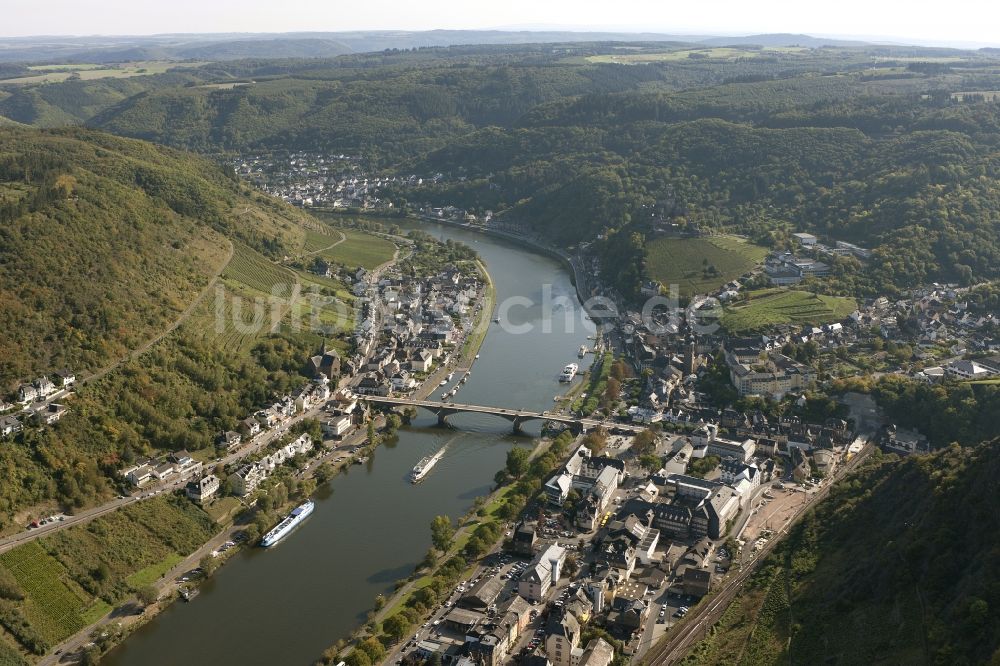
pixel 956 21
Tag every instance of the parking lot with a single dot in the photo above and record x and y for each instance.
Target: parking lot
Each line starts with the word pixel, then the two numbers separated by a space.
pixel 773 513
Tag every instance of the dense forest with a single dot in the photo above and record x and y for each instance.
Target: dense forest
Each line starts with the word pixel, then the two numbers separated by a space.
pixel 897 566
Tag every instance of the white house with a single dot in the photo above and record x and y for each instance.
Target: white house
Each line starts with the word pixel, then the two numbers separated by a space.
pixel 203 489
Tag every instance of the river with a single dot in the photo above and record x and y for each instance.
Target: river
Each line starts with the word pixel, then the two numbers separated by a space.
pixel 286 604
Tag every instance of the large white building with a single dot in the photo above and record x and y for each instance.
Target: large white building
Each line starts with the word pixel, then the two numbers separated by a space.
pixel 543 573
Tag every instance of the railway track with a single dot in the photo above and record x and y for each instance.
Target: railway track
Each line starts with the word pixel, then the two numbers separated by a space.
pixel 675 646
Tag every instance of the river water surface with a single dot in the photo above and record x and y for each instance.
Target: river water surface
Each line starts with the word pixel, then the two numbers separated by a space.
pixel 286 604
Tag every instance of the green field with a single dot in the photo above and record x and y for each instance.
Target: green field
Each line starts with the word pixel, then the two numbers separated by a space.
pixel 89 72
pixel 251 271
pixel 769 307
pixel 688 262
pixel 248 280
pixel 153 572
pixel 9 655
pixel 359 249
pixel 316 241
pixel 712 53
pixel 73 578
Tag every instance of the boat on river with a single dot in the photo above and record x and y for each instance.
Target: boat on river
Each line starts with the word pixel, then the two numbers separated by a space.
pixel 423 468
pixel 285 527
pixel 569 372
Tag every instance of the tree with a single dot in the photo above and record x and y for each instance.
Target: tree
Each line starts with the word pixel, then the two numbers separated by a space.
pixel 208 564
pixel 324 472
pixel 596 440
pixel 612 391
pixel 572 566
pixel 358 658
pixel 517 461
pixel 650 462
pixel 644 443
pixel 148 594
pixel 476 546
pixel 91 655
pixel 9 589
pixel 392 423
pixel 507 511
pixel 372 435
pixel 396 626
pixel 501 477
pixel 306 488
pixel 442 532
pixel 372 648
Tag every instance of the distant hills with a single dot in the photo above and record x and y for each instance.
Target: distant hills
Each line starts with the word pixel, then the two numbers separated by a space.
pixel 780 39
pixel 328 44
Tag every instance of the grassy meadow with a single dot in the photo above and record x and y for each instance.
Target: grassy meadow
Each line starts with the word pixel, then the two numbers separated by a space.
pixel 689 262
pixel 769 307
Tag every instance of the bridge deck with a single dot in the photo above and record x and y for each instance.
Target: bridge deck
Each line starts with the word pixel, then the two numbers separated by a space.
pixel 516 415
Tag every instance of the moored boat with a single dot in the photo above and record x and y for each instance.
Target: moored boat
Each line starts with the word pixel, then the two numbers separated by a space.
pixel 282 529
pixel 569 372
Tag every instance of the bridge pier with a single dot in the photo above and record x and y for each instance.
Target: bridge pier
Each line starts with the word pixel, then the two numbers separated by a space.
pixel 518 430
pixel 443 415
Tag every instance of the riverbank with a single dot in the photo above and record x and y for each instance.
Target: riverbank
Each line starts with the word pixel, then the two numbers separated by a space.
pixel 442 570
pixel 578 278
pixel 370 526
pixel 129 616
pixel 117 626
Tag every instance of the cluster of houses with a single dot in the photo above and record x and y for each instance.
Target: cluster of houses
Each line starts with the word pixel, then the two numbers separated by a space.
pixel 318 179
pixel 784 269
pixel 491 623
pixel 179 465
pixel 420 320
pixel 755 368
pixel 455 214
pixel 248 477
pixel 839 248
pixel 637 537
pixel 37 404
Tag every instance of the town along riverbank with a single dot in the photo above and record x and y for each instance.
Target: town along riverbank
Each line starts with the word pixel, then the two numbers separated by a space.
pixel 371 525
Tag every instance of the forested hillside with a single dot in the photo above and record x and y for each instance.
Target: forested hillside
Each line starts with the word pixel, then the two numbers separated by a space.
pixel 400 108
pixel 106 245
pixel 897 566
pixel 919 189
pixel 105 241
pixel 871 145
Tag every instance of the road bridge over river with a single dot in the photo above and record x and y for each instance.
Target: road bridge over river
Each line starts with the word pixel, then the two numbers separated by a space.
pixel 517 417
